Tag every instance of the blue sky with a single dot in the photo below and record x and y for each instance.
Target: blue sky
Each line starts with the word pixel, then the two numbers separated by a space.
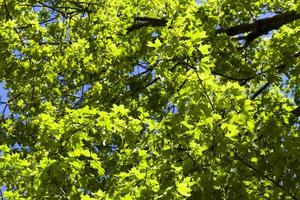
pixel 3 98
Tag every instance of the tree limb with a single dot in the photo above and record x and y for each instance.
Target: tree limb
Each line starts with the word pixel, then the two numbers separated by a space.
pixel 230 77
pixel 296 111
pixel 255 29
pixel 260 90
pixel 146 22
pixel 261 26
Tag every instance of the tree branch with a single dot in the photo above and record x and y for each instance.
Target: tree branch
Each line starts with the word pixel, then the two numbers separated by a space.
pixel 146 22
pixel 261 26
pixel 260 90
pixel 255 29
pixel 296 111
pixel 230 77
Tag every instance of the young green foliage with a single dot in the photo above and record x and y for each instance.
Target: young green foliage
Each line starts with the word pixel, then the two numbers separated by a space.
pixel 161 99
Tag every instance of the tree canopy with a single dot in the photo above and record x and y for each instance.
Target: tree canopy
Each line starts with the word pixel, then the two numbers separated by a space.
pixel 159 99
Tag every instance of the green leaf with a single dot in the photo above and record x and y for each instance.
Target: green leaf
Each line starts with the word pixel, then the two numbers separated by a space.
pixel 97 165
pixel 204 49
pixel 254 159
pixel 157 43
pixel 183 188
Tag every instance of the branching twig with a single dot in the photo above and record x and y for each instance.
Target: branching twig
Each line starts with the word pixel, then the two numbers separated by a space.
pixel 204 90
pixel 232 78
pixel 296 111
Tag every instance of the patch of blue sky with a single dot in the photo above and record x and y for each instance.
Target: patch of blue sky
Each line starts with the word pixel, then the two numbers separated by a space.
pixel 171 108
pixel 2 190
pixel 200 1
pixel 154 34
pixel 284 79
pixel 80 94
pixel 138 69
pixel 4 109
pixel 142 68
pixel 19 147
pixel 17 54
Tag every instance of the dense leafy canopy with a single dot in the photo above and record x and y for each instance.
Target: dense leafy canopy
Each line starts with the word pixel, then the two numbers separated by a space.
pixel 160 99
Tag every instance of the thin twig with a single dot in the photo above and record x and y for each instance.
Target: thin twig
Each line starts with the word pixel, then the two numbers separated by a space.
pixel 205 92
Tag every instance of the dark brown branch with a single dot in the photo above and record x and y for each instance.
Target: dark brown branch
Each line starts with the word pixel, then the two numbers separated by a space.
pixel 152 82
pixel 265 86
pixel 230 77
pixel 254 29
pixel 146 22
pixel 296 111
pixel 261 26
pixel 8 17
